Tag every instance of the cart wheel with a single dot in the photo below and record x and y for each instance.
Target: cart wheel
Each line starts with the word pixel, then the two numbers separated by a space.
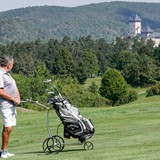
pixel 88 146
pixel 45 147
pixel 61 140
pixel 51 145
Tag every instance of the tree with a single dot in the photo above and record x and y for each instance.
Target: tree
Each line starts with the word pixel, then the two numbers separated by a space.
pixel 138 69
pixel 90 63
pixel 28 64
pixel 88 66
pixel 113 86
pixel 66 42
pixel 148 71
pixel 121 44
pixel 104 52
pixel 144 50
pixel 157 54
pixel 93 87
pixel 137 44
pixel 63 64
pixel 150 44
pixel 127 63
pixel 86 42
pixel 123 58
pixel 48 55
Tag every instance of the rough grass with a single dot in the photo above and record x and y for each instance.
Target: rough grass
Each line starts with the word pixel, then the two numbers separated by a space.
pixel 89 81
pixel 128 132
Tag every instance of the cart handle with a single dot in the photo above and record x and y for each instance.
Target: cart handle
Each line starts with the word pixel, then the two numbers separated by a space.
pixel 36 102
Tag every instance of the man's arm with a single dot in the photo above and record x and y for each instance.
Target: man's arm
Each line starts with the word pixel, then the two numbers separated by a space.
pixel 16 100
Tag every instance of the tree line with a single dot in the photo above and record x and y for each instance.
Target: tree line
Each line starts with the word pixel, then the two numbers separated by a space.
pixel 137 60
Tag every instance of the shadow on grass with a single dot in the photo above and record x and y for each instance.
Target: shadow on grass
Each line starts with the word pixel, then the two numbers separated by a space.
pixel 73 150
pixel 54 152
pixel 33 152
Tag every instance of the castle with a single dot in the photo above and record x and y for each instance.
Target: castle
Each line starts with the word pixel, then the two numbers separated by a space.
pixel 135 29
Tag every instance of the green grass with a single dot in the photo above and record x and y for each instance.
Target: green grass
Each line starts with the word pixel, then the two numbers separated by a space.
pixel 96 80
pixel 128 132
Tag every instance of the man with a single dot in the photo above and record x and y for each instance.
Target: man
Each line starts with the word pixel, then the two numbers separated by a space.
pixel 9 99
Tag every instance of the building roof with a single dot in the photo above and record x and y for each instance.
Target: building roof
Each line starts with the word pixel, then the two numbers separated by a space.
pixel 147 30
pixel 135 19
pixel 156 35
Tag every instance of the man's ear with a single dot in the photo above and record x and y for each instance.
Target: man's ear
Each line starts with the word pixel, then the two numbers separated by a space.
pixel 7 66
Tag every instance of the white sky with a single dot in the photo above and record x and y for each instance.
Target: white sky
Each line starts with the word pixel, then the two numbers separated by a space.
pixel 13 4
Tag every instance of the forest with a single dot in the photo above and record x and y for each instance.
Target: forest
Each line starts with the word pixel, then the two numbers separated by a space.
pixel 103 20
pixel 69 63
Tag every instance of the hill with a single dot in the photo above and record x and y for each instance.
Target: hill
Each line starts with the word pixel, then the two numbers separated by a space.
pixel 104 20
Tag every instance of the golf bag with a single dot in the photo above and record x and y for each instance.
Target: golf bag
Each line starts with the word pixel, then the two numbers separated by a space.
pixel 74 124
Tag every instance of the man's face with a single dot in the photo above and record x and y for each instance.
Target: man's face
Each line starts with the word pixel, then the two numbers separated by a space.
pixel 10 65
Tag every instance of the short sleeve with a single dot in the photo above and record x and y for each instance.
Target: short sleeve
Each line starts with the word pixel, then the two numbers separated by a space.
pixel 1 81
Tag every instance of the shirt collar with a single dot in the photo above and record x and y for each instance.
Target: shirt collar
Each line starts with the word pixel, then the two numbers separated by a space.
pixel 3 71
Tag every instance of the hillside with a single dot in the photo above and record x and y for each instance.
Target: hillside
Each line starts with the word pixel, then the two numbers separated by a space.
pixel 104 20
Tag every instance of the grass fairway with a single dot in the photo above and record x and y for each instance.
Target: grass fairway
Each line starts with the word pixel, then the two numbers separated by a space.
pixel 129 132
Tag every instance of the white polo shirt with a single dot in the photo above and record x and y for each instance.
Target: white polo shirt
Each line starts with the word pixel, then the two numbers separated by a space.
pixel 9 85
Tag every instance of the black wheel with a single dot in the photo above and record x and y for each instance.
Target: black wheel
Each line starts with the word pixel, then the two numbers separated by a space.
pixel 45 147
pixel 61 140
pixel 53 144
pixel 88 146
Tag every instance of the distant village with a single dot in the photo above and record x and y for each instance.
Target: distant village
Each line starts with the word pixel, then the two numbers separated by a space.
pixel 135 29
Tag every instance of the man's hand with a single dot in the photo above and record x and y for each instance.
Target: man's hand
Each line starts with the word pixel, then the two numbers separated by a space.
pixel 16 101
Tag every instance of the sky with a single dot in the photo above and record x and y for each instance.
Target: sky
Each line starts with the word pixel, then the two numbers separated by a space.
pixel 6 5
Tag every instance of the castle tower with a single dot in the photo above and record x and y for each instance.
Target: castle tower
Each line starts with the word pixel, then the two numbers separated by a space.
pixel 134 26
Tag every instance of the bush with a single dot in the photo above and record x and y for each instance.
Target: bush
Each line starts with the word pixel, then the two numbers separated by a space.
pixel 93 88
pixel 31 87
pixel 113 86
pixel 35 88
pixel 81 97
pixel 154 90
pixel 129 97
